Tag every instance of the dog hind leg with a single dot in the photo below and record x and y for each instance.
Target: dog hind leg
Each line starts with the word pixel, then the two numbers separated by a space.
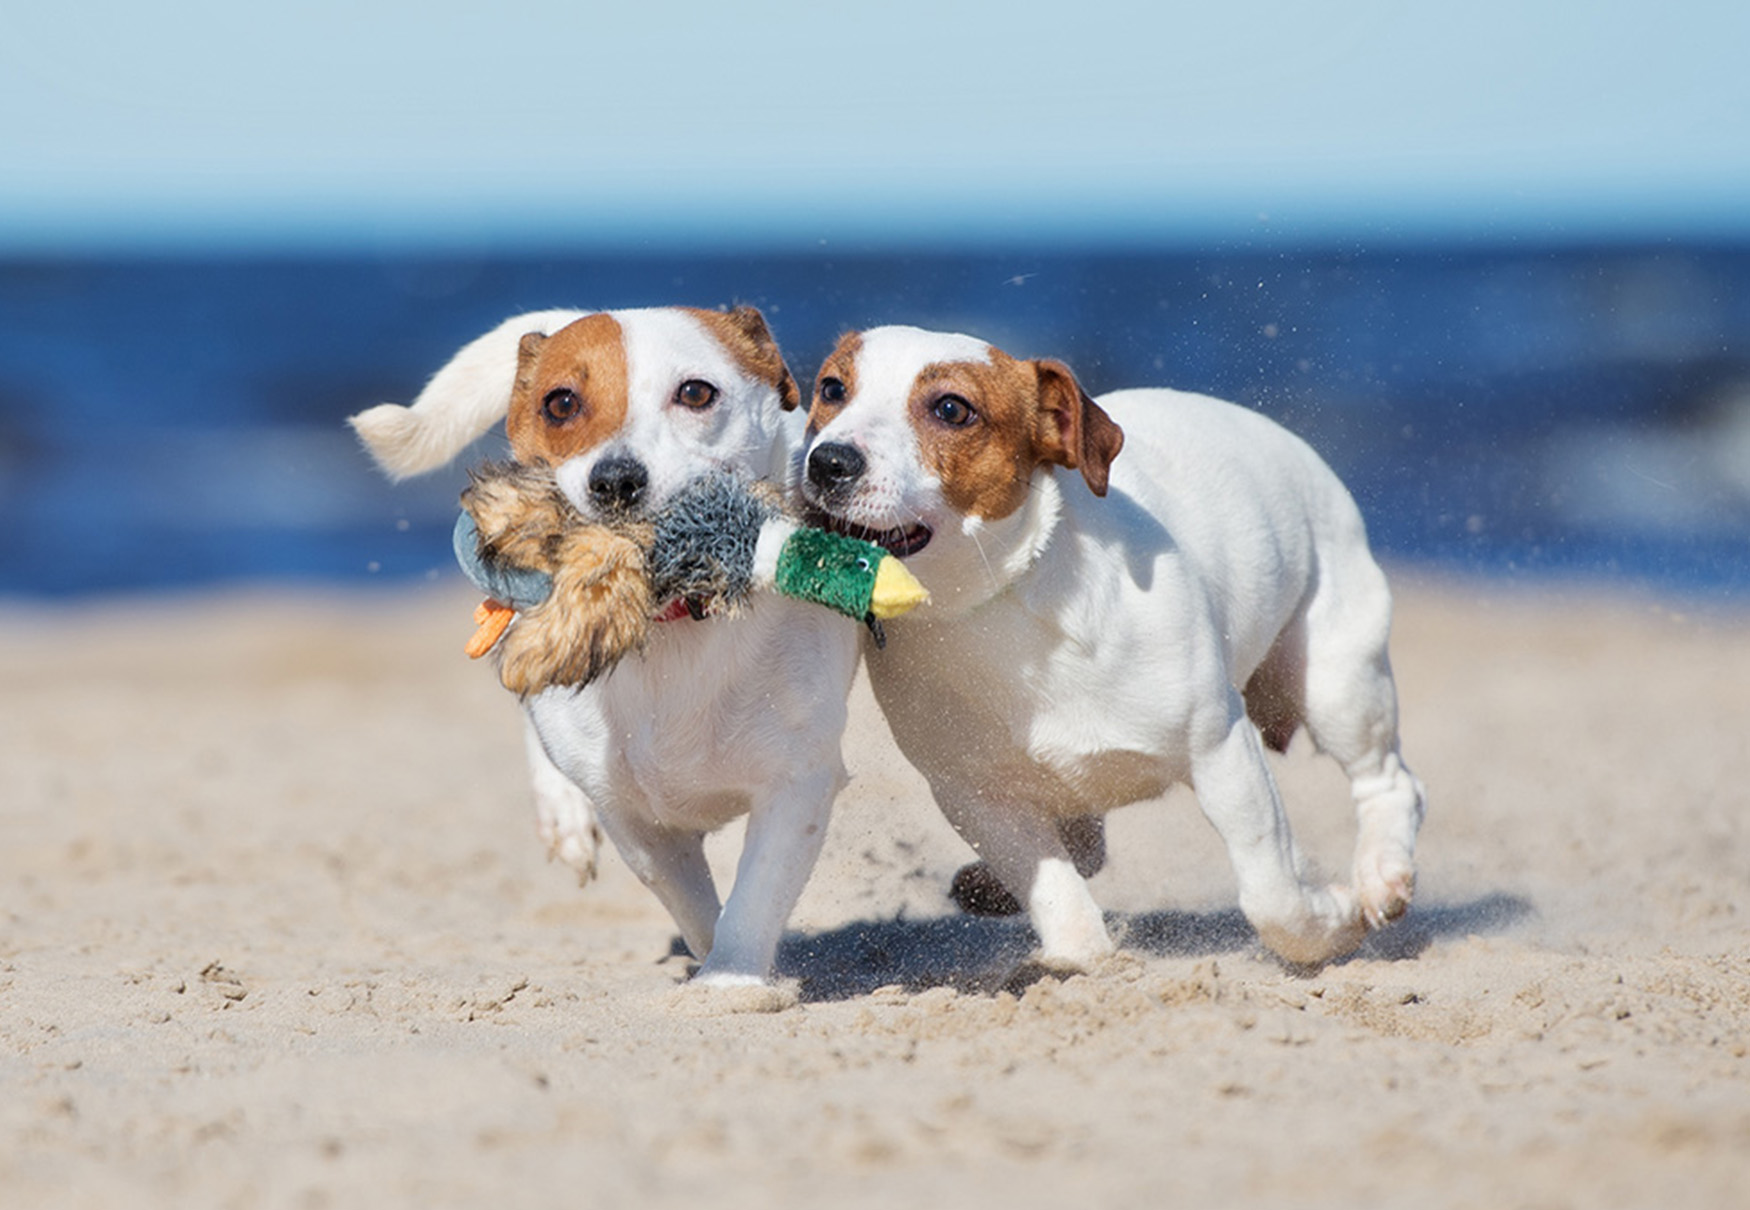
pixel 1305 925
pixel 1352 715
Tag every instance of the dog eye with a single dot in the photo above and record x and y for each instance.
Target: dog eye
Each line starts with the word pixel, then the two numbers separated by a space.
pixel 831 390
pixel 560 405
pixel 951 409
pixel 695 393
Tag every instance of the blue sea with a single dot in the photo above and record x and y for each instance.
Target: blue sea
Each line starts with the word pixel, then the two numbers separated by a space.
pixel 1536 412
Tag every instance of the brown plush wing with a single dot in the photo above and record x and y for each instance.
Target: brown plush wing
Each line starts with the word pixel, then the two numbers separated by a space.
pixel 600 608
pixel 520 513
pixel 599 612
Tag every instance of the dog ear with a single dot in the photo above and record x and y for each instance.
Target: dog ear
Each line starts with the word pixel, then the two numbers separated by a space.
pixel 528 353
pixel 1072 430
pixel 743 329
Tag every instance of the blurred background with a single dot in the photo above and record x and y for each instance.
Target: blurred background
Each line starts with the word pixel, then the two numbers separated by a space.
pixel 1492 260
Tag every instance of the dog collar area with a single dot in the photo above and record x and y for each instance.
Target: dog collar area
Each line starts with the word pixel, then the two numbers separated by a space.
pixel 682 607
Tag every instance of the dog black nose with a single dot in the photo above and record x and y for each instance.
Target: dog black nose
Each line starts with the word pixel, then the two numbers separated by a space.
pixel 618 482
pixel 834 464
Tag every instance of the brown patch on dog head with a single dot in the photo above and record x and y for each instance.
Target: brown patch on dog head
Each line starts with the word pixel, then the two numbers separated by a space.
pixel 570 392
pixel 1073 431
pixel 744 334
pixel 984 458
pixel 1022 413
pixel 840 367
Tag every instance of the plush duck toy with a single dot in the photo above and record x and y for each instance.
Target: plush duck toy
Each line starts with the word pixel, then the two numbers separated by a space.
pixel 584 595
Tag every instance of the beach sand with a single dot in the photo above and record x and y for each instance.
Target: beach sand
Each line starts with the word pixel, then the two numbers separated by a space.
pixel 276 931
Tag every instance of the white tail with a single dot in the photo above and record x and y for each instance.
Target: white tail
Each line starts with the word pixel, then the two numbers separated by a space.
pixel 462 400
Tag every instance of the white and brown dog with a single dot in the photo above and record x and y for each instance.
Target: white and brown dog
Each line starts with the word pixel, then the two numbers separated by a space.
pixel 718 718
pixel 1095 639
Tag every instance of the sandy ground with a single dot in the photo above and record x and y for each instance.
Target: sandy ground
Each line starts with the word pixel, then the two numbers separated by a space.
pixel 275 931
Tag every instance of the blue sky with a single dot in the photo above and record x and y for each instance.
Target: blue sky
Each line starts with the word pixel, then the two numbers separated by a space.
pixel 377 122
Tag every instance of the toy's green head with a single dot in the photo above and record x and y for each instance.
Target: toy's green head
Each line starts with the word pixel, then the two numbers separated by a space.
pixel 858 579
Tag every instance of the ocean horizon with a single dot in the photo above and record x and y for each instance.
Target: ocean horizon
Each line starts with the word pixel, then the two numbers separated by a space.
pixel 1541 412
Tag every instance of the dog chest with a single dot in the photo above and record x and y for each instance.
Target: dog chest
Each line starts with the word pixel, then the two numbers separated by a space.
pixel 1000 698
pixel 713 714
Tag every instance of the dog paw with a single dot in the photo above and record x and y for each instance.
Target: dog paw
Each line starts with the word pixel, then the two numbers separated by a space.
pixel 719 995
pixel 1326 924
pixel 1385 892
pixel 579 851
pixel 1384 884
pixel 568 830
pixel 977 892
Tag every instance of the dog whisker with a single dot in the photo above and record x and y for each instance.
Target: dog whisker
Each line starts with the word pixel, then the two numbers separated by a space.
pixel 989 571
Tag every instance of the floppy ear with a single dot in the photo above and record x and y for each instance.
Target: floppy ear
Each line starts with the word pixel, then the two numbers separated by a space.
pixel 462 400
pixel 1071 429
pixel 528 353
pixel 761 353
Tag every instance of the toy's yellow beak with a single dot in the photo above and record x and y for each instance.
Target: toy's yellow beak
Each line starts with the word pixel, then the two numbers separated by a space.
pixel 897 591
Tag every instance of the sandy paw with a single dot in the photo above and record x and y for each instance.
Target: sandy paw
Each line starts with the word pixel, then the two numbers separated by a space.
pixel 728 995
pixel 1385 889
pixel 574 840
pixel 1329 925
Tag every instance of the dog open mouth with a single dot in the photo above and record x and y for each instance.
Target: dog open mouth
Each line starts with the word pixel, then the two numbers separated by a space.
pixel 899 541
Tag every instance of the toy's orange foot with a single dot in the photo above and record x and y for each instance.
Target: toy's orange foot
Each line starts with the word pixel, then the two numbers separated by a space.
pixel 492 617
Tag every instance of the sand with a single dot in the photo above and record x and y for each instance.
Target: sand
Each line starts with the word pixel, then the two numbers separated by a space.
pixel 277 932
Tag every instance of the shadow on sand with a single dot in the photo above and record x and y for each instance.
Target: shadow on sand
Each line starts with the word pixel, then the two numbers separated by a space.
pixel 983 955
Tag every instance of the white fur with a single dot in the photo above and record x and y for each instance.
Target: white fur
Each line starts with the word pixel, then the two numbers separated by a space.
pixel 745 430
pixel 1083 653
pixel 462 400
pixel 563 818
pixel 716 719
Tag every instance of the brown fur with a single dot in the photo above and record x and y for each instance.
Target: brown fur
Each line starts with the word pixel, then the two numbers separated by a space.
pixel 601 605
pixel 744 334
pixel 842 365
pixel 983 465
pixel 1028 412
pixel 587 357
pixel 1071 429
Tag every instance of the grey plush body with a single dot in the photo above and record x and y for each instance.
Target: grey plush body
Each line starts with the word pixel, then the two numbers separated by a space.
pixel 703 549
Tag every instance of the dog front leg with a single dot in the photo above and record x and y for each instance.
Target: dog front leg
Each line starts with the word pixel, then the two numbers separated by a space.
pixel 672 864
pixel 1305 925
pixel 784 833
pixel 1025 847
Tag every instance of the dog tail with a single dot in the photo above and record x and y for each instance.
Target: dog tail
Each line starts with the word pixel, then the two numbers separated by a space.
pixel 462 400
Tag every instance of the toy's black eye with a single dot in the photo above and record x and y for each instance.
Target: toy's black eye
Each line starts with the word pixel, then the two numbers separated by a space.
pixel 831 390
pixel 695 393
pixel 951 409
pixel 560 405
pixel 862 563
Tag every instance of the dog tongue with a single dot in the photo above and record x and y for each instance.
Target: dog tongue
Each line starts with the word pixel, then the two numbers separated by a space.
pixel 674 611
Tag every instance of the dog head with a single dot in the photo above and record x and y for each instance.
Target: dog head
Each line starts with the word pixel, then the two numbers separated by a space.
pixel 628 407
pixel 919 439
pixel 625 406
